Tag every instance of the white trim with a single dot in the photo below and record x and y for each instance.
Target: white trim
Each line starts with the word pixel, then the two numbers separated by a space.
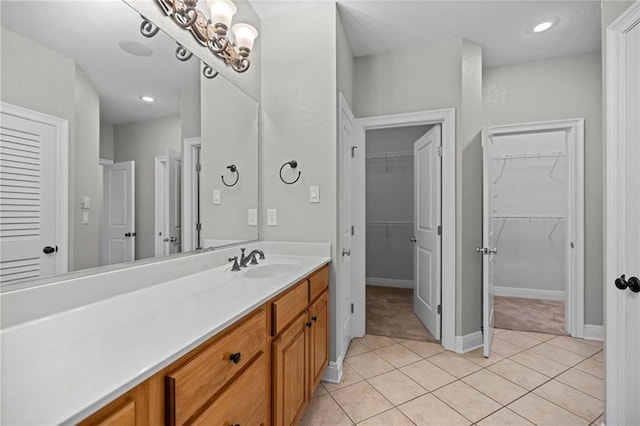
pixel 160 213
pixel 615 327
pixel 468 342
pixel 529 293
pixel 189 146
pixel 594 332
pixel 447 119
pixel 574 129
pixel 333 372
pixel 62 176
pixel 104 161
pixel 388 282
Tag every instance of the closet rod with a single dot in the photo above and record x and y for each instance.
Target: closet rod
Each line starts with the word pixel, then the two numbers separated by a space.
pixel 529 155
pixel 520 217
pixel 388 154
pixel 389 223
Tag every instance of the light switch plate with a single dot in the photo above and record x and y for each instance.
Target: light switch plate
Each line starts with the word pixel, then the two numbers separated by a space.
pixel 252 216
pixel 272 217
pixel 314 194
pixel 216 196
pixel 85 218
pixel 85 202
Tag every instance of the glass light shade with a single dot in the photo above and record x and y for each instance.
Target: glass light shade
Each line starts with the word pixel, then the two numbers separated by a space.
pixel 222 11
pixel 245 35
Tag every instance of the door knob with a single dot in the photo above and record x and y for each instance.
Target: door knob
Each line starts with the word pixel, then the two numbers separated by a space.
pixel 621 283
pixel 633 284
pixel 413 239
pixel 48 250
pixel 346 252
pixel 173 239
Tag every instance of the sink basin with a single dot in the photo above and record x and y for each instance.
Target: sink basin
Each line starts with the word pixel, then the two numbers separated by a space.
pixel 273 270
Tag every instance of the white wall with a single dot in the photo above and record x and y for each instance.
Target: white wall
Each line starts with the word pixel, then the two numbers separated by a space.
pixel 569 87
pixel 106 141
pixel 344 62
pixel 142 142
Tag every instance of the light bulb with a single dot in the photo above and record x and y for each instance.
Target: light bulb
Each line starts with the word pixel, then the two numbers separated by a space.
pixel 245 36
pixel 222 12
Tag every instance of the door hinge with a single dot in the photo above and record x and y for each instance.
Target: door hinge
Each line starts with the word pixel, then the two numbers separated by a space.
pixel 439 309
pixel 198 226
pixel 198 167
pixel 352 308
pixel 353 151
pixel 353 230
pixel 440 151
pixel 439 229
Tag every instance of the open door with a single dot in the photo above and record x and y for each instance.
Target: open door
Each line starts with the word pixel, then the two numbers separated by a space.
pixel 427 212
pixel 118 244
pixel 488 250
pixel 174 199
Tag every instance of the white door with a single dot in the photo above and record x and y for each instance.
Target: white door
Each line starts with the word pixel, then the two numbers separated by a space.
pixel 174 206
pixel 487 250
pixel 427 253
pixel 28 246
pixel 622 234
pixel 119 213
pixel 345 143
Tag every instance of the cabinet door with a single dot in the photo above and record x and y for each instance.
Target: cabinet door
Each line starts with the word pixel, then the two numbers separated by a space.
pixel 318 340
pixel 289 372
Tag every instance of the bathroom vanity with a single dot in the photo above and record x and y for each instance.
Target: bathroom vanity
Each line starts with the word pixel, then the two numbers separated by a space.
pixel 210 347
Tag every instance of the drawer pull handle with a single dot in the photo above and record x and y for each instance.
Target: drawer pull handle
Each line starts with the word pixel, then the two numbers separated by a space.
pixel 309 324
pixel 235 357
pixel 314 319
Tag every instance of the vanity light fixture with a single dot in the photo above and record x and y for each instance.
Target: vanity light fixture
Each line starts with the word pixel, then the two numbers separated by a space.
pixel 213 33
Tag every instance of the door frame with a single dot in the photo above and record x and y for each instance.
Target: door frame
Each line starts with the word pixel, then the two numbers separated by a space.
pixel 61 126
pixel 189 187
pixel 447 119
pixel 161 213
pixel 574 129
pixel 615 327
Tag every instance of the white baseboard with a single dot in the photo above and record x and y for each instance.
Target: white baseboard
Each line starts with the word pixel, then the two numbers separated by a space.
pixel 387 282
pixel 529 293
pixel 333 372
pixel 468 342
pixel 594 332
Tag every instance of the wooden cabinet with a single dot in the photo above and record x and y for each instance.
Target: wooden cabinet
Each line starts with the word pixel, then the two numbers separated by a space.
pixel 130 409
pixel 300 352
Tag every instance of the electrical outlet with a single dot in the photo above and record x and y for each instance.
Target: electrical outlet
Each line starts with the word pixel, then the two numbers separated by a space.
pixel 272 217
pixel 314 194
pixel 252 217
pixel 85 202
pixel 216 196
pixel 85 218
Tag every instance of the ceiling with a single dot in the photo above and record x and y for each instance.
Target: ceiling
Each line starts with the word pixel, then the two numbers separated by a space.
pixel 90 32
pixel 499 26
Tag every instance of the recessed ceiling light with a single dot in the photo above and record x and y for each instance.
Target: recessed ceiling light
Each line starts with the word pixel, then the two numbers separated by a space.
pixel 543 26
pixel 134 48
pixel 149 99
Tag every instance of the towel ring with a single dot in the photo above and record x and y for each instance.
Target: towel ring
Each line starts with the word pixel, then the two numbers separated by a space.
pixel 233 169
pixel 293 164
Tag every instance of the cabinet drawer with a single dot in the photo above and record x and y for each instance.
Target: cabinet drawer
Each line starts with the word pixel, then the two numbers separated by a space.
pixel 123 414
pixel 190 386
pixel 244 402
pixel 318 282
pixel 288 306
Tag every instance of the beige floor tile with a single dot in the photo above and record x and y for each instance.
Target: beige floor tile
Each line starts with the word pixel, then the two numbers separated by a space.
pixel 495 387
pixel 454 364
pixel 397 387
pixel 539 363
pixel 427 375
pixel 376 342
pixel 504 348
pixel 519 339
pixel 577 402
pixel 540 337
pixel 361 401
pixel 398 340
pixel 597 343
pixel 424 349
pixel 505 417
pixel 392 417
pixel 477 357
pixel 558 354
pixel 398 356
pixel 578 346
pixel 320 390
pixel 599 421
pixel 542 412
pixel 349 377
pixel 429 410
pixel 498 330
pixel 467 401
pixel 592 366
pixel 584 382
pixel 369 364
pixel 323 410
pixel 356 347
pixel 518 374
pixel 599 356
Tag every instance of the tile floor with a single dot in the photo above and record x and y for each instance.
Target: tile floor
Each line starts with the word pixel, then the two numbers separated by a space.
pixel 531 378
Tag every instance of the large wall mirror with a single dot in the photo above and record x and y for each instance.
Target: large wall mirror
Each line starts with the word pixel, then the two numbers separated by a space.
pixel 161 159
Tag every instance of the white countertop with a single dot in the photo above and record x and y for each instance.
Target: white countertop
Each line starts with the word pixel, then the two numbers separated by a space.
pixel 61 368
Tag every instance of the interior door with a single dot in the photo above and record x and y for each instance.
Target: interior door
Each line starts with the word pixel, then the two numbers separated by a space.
pixel 27 199
pixel 119 213
pixel 174 200
pixel 487 250
pixel 427 195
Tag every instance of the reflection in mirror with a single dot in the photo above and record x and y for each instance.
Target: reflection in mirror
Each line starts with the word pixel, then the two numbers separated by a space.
pixel 123 107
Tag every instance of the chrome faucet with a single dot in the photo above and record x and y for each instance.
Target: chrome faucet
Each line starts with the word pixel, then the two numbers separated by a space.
pixel 244 260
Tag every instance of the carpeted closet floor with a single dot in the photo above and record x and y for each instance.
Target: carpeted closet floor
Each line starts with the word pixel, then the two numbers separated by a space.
pixel 390 313
pixel 542 316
